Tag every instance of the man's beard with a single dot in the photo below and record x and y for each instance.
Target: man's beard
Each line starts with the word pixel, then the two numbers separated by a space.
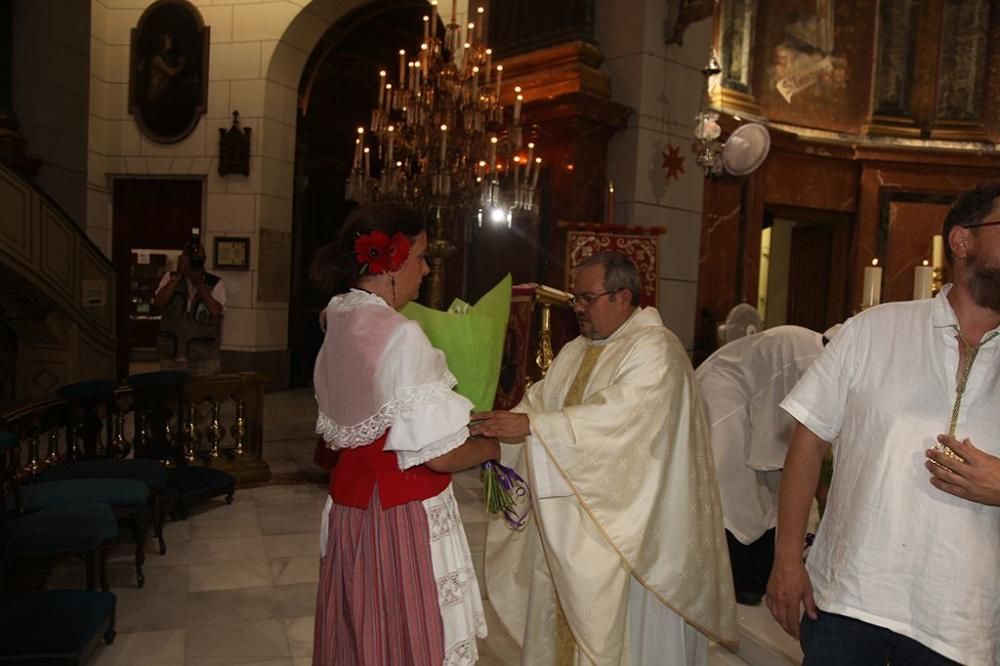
pixel 984 283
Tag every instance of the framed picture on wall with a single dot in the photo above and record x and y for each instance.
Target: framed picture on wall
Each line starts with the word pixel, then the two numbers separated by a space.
pixel 168 73
pixel 232 253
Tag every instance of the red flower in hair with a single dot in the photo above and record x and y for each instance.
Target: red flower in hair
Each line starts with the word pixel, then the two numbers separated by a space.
pixel 377 253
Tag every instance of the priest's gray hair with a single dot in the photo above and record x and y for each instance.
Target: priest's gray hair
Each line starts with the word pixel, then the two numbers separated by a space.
pixel 619 272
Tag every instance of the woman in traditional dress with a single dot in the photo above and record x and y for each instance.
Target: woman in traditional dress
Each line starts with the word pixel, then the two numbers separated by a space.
pixel 397 586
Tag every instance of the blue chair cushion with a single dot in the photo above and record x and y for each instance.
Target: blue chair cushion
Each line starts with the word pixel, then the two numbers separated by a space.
pixel 87 388
pixel 114 492
pixel 194 479
pixel 62 529
pixel 150 472
pixel 158 379
pixel 53 623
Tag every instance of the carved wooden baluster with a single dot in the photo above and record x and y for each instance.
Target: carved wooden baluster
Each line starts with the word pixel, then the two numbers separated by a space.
pixel 168 436
pixel 216 432
pixel 52 457
pixel 141 430
pixel 119 444
pixel 33 464
pixel 190 434
pixel 240 428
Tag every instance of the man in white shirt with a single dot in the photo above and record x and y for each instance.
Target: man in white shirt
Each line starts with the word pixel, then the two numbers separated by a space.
pixel 623 561
pixel 900 572
pixel 742 385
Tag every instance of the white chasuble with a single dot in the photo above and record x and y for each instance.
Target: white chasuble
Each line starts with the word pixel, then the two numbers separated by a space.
pixel 626 524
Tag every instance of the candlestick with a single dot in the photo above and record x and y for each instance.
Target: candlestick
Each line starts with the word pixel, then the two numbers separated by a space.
pixel 479 24
pixel 357 153
pixel 923 277
pixel 434 19
pixel 444 143
pixel 871 292
pixel 368 163
pixel 381 87
pixel 427 28
pixel 499 76
pixel 402 68
pixel 493 154
pixel 388 97
pixel 475 84
pixel 538 169
pixel 392 136
pixel 489 59
pixel 610 218
pixel 469 31
pixel 517 106
pixel 454 10
pixel 937 252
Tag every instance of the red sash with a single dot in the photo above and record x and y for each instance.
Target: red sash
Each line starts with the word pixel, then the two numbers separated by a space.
pixel 358 470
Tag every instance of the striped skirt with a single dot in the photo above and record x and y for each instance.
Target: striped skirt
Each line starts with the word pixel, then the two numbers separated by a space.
pixel 397 587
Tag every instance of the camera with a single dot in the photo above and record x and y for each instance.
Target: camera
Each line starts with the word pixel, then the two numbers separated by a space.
pixel 192 250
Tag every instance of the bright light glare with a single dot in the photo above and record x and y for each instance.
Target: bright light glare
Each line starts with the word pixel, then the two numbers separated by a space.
pixel 498 215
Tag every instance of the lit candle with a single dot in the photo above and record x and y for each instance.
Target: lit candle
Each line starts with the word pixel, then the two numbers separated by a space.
pixel 538 169
pixel 517 172
pixel 368 163
pixel 444 143
pixel 499 76
pixel 381 87
pixel 517 105
pixel 419 75
pixel 392 135
pixel 479 24
pixel 937 252
pixel 357 153
pixel 531 153
pixel 402 68
pixel 871 292
pixel 434 18
pixel 489 59
pixel 611 203
pixel 923 278
pixel 427 28
pixel 493 153
pixel 469 31
pixel 454 10
pixel 388 97
pixel 475 84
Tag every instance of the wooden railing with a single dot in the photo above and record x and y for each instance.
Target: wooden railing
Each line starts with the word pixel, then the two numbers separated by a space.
pixel 214 421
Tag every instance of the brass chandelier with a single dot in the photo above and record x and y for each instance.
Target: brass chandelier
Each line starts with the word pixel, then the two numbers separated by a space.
pixel 439 137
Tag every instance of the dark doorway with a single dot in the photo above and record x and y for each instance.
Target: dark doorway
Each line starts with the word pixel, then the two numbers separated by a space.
pixel 808 255
pixel 152 220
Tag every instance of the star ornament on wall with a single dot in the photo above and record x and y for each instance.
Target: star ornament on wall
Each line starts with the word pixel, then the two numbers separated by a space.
pixel 673 162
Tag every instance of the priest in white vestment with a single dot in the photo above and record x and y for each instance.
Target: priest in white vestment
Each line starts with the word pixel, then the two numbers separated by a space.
pixel 624 558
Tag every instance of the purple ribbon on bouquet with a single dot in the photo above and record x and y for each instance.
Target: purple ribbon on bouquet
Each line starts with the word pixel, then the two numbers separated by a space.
pixel 503 489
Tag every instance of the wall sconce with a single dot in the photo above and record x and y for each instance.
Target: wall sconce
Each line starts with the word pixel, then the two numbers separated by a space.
pixel 234 148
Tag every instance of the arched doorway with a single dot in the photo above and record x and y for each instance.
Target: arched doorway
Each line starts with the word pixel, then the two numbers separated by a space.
pixel 337 91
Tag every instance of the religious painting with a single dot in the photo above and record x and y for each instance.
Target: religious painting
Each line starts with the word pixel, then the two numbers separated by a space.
pixel 813 62
pixel 897 43
pixel 168 80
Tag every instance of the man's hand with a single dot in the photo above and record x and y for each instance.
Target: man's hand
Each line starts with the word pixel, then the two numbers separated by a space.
pixel 505 426
pixel 976 477
pixel 788 589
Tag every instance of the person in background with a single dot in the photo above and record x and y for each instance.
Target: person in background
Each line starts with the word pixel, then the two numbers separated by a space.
pixel 900 572
pixel 397 583
pixel 191 302
pixel 742 385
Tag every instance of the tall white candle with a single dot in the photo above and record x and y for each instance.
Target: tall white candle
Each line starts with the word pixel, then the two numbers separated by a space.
pixel 475 84
pixel 499 77
pixel 454 10
pixel 517 109
pixel 493 154
pixel 392 135
pixel 937 252
pixel 402 68
pixel 534 176
pixel 427 28
pixel 381 87
pixel 923 277
pixel 444 143
pixel 368 163
pixel 479 24
pixel 871 292
pixel 434 18
pixel 489 60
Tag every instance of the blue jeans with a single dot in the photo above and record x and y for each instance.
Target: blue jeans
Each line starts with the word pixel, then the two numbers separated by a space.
pixel 836 640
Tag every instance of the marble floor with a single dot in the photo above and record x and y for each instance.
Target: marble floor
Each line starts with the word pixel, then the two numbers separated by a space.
pixel 237 584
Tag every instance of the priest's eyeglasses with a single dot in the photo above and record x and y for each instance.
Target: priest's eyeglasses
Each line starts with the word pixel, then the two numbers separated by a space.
pixel 585 299
pixel 981 224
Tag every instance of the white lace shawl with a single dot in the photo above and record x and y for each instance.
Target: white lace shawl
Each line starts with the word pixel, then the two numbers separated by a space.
pixel 376 371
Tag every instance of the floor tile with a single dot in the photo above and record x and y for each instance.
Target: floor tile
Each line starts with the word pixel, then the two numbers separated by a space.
pixel 300 636
pixel 144 648
pixel 262 640
pixel 229 575
pixel 292 570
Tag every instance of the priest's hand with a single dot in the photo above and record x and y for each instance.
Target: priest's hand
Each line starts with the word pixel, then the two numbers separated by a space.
pixel 508 427
pixel 976 477
pixel 788 589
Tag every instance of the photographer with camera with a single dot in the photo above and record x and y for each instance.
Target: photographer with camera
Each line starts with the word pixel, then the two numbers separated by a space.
pixel 191 302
